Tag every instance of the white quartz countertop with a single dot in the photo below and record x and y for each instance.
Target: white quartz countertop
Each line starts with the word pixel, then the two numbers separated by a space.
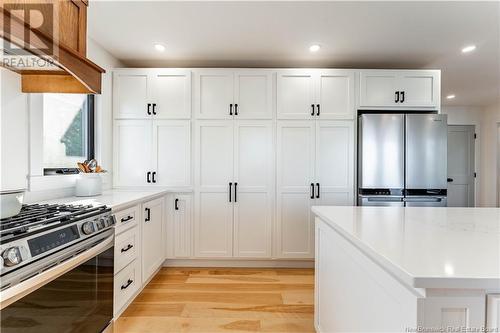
pixel 425 247
pixel 115 198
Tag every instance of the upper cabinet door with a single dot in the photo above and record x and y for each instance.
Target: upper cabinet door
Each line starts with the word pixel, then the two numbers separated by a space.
pixel 172 152
pixel 335 94
pixel 253 92
pixel 334 163
pixel 132 152
pixel 131 94
pixel 378 89
pixel 420 88
pixel 295 94
pixel 213 96
pixel 172 94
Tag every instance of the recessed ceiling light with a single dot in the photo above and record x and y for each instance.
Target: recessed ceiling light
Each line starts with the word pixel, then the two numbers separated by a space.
pixel 159 47
pixel 314 48
pixel 450 96
pixel 468 48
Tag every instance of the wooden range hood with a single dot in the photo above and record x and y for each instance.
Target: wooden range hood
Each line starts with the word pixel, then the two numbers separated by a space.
pixel 70 71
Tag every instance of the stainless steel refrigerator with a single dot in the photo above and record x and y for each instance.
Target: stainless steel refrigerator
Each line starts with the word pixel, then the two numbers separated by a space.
pixel 402 159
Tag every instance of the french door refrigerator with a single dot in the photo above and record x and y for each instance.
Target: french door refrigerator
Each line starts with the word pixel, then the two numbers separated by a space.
pixel 402 159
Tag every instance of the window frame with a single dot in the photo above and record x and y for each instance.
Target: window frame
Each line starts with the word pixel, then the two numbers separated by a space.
pixel 90 142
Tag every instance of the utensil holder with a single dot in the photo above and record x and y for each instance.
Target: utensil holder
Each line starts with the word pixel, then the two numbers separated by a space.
pixel 88 184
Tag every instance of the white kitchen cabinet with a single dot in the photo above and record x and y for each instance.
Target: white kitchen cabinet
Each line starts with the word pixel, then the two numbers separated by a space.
pixel 152 153
pixel 153 250
pixel 493 312
pixel 254 188
pixel 313 94
pixel 152 93
pixel 400 89
pixel 226 94
pixel 213 232
pixel 321 174
pixel 295 191
pixel 172 152
pixel 233 191
pixel 132 152
pixel 181 226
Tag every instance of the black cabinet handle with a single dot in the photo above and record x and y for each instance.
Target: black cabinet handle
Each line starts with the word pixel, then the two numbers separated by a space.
pixel 235 109
pixel 312 191
pixel 317 106
pixel 317 193
pixel 230 109
pixel 149 110
pixel 129 282
pixel 312 109
pixel 148 177
pixel 402 97
pixel 148 215
pixel 154 177
pixel 235 192
pixel 176 204
pixel 397 97
pixel 125 249
pixel 449 180
pixel 154 109
pixel 125 219
pixel 230 190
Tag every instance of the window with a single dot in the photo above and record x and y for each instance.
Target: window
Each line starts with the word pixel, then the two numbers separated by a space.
pixel 68 131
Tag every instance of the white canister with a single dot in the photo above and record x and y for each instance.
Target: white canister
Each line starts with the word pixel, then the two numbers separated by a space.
pixel 88 184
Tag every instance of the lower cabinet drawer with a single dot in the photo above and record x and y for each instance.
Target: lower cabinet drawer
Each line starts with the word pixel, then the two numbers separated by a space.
pixel 127 218
pixel 126 283
pixel 126 248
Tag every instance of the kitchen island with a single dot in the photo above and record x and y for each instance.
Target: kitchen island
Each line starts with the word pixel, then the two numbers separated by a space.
pixel 389 269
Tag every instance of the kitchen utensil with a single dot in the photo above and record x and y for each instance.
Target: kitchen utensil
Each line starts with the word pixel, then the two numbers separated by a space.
pixel 92 165
pixel 11 203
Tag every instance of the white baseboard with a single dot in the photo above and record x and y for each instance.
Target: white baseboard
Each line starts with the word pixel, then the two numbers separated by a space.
pixel 239 263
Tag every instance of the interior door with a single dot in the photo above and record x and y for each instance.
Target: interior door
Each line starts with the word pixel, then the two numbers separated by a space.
pixel 132 152
pixel 213 94
pixel 213 175
pixel 153 251
pixel 335 94
pixel 334 163
pixel 131 94
pixel 253 94
pixel 172 152
pixel 295 172
pixel 254 195
pixel 172 94
pixel 461 166
pixel 378 88
pixel 295 94
pixel 421 88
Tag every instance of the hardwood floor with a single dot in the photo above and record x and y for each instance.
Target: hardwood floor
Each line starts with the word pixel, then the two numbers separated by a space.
pixel 223 300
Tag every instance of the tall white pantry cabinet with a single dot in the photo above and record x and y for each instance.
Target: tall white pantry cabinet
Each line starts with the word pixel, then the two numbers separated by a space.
pixel 249 150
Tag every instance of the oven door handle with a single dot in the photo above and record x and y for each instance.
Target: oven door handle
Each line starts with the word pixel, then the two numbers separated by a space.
pixel 18 291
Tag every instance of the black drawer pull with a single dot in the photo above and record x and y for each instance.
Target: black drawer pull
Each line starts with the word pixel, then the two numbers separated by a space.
pixel 176 204
pixel 148 177
pixel 153 177
pixel 125 219
pixel 125 249
pixel 312 109
pixel 317 106
pixel 397 97
pixel 312 191
pixel 154 109
pixel 402 97
pixel 129 282
pixel 317 194
pixel 148 215
pixel 230 109
pixel 149 110
pixel 235 109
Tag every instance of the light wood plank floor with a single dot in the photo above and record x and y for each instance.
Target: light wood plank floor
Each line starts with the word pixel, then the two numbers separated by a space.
pixel 223 300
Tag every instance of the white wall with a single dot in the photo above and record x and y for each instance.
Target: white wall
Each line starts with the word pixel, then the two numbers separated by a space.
pixel 490 152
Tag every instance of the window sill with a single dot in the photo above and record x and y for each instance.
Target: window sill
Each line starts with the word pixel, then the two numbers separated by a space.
pixel 59 182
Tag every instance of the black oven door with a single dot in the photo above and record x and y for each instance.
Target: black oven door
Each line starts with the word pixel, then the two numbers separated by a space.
pixel 80 300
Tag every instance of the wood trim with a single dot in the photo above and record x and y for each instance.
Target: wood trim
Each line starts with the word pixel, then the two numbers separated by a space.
pixel 60 83
pixel 84 70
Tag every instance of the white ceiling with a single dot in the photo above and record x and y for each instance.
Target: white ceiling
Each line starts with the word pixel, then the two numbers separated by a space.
pixel 278 34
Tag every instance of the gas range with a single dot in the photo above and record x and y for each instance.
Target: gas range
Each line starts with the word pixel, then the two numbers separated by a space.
pixel 43 235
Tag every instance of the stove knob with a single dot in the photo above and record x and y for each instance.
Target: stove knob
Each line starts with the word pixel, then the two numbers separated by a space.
pixel 88 228
pixel 11 256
